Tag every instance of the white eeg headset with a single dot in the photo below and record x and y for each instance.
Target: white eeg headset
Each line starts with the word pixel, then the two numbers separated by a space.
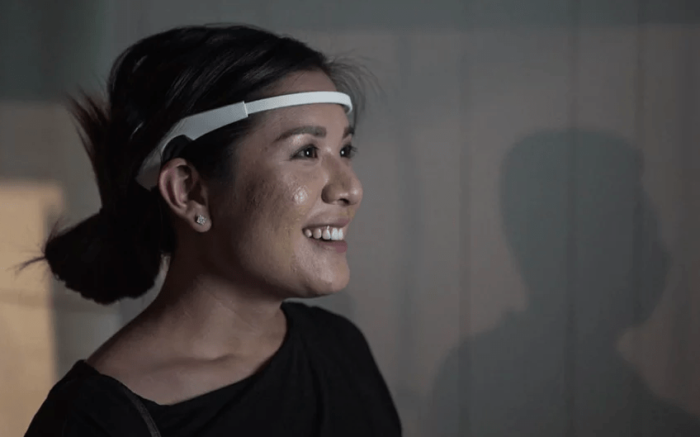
pixel 200 124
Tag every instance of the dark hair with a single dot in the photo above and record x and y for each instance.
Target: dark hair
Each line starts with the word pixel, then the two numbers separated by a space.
pixel 153 84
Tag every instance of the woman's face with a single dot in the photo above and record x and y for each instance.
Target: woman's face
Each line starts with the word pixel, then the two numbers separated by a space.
pixel 282 222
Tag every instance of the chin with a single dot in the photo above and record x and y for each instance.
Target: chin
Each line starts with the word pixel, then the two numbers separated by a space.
pixel 324 288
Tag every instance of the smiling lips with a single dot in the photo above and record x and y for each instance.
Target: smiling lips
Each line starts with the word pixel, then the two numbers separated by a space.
pixel 329 235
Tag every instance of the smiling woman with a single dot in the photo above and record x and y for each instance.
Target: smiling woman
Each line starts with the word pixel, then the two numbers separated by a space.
pixel 225 151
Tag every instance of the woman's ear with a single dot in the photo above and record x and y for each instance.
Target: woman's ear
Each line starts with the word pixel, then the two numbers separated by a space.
pixel 185 193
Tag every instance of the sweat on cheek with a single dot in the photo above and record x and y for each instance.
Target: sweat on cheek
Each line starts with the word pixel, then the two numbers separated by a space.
pixel 300 196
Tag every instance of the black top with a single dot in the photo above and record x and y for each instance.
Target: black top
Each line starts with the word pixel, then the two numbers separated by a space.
pixel 323 381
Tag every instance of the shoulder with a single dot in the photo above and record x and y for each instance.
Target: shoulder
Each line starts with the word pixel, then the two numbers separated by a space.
pixel 326 325
pixel 83 403
pixel 320 318
pixel 333 336
pixel 339 340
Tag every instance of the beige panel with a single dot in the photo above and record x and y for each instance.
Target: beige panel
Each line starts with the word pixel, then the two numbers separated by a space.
pixel 27 364
pixel 28 209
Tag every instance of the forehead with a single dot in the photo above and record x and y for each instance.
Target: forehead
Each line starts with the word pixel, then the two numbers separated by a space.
pixel 302 82
pixel 330 117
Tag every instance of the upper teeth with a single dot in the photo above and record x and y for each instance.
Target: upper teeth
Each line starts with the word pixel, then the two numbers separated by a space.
pixel 325 233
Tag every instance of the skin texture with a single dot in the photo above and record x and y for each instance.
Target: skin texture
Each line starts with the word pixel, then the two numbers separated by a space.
pixel 217 318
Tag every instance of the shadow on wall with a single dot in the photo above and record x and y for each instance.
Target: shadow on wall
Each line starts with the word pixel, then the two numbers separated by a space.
pixel 587 243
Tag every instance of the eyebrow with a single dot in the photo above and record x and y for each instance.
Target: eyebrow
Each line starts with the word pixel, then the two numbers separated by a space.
pixel 317 131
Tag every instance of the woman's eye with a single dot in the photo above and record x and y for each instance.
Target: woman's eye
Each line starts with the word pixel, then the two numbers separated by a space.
pixel 311 152
pixel 348 151
pixel 307 152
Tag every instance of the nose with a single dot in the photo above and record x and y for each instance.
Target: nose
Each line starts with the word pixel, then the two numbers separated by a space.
pixel 342 187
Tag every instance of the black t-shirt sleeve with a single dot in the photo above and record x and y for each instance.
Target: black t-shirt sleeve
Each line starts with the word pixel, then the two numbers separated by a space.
pixel 72 425
pixel 85 407
pixel 347 338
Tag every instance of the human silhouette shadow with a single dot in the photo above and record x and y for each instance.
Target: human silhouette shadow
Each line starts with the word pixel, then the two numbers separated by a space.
pixel 588 247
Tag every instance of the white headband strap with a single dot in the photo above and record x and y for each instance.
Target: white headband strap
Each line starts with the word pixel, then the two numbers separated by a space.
pixel 200 124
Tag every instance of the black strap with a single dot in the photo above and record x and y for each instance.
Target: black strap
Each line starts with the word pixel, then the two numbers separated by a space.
pixel 152 428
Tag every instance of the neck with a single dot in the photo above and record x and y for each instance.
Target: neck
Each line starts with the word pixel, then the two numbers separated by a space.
pixel 210 317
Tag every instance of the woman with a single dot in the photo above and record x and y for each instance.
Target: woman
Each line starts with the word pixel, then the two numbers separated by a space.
pixel 226 151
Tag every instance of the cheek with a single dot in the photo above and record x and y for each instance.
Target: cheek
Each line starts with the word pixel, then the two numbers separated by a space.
pixel 281 209
pixel 293 207
pixel 297 203
pixel 273 212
